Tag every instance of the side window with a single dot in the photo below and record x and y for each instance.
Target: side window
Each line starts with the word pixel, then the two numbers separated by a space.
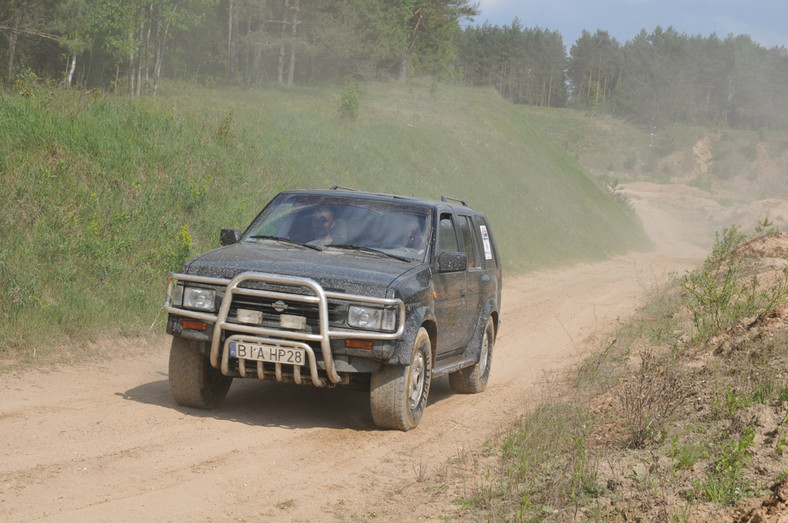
pixel 447 240
pixel 466 226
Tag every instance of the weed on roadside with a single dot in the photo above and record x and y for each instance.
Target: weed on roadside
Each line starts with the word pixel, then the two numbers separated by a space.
pixel 681 416
pixel 651 396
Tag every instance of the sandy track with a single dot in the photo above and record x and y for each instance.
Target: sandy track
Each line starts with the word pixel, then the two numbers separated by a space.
pixel 106 442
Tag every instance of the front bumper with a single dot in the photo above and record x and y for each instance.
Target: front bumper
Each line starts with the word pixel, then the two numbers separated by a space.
pixel 305 292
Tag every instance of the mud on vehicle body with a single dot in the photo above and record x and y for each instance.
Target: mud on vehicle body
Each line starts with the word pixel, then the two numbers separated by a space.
pixel 340 287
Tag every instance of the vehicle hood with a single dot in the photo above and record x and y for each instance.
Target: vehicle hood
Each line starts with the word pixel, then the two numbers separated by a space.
pixel 335 270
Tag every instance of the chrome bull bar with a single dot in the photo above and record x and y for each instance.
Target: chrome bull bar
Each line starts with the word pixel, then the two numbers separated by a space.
pixel 318 297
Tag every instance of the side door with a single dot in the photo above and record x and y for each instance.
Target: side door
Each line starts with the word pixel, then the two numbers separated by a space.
pixel 449 289
pixel 474 277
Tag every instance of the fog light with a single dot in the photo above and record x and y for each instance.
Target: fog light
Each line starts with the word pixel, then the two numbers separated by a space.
pixel 249 316
pixel 288 321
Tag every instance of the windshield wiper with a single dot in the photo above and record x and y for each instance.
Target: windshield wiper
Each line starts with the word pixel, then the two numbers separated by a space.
pixel 363 248
pixel 283 240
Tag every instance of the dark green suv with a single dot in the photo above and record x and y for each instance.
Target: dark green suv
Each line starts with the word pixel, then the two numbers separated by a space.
pixel 341 287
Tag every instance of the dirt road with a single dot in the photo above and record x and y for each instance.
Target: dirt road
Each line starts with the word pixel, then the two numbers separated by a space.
pixel 105 441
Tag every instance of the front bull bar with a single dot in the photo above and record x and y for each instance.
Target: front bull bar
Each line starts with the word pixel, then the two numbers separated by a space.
pixel 319 297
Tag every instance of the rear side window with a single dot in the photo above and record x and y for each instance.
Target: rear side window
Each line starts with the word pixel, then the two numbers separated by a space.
pixel 466 226
pixel 487 243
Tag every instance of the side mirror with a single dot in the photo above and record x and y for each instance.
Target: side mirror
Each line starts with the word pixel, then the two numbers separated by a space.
pixel 449 261
pixel 229 236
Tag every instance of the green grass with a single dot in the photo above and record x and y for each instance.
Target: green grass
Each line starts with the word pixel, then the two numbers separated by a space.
pixel 106 194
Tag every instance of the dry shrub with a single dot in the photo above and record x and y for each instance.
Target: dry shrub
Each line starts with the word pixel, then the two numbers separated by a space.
pixel 650 397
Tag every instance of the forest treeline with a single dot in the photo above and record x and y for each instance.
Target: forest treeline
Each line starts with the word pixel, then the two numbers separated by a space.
pixel 127 46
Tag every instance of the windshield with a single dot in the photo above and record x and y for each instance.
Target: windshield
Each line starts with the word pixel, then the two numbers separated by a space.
pixel 369 225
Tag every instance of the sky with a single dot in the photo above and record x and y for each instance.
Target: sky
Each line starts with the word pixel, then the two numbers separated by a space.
pixel 766 21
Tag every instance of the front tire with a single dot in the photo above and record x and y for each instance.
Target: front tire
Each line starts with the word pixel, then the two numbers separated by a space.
pixel 398 394
pixel 193 381
pixel 473 379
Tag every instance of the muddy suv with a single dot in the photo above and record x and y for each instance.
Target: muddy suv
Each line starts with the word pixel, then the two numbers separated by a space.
pixel 340 287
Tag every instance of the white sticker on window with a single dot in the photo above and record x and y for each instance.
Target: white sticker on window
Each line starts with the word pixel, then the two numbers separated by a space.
pixel 486 242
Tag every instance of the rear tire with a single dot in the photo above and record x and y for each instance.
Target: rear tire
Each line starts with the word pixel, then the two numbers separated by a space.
pixel 398 393
pixel 193 382
pixel 473 379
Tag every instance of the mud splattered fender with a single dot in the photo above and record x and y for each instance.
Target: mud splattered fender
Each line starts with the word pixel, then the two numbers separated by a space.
pixel 417 318
pixel 475 345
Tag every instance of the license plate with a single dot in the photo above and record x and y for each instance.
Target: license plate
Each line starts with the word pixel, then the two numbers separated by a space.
pixel 269 353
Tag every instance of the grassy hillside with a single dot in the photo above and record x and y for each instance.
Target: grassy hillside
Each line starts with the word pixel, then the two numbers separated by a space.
pixel 104 195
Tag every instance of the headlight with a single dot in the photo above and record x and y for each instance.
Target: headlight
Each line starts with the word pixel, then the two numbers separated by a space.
pixel 372 318
pixel 199 298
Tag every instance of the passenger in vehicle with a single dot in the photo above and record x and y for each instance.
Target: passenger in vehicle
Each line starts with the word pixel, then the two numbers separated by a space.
pixel 415 239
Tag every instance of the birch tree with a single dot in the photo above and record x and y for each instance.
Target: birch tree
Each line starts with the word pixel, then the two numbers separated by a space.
pixel 287 46
pixel 71 23
pixel 168 16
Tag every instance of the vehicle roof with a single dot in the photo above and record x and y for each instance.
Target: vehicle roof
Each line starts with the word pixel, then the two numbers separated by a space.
pixel 347 192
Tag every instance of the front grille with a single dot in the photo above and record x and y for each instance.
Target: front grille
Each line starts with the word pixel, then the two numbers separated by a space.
pixel 271 316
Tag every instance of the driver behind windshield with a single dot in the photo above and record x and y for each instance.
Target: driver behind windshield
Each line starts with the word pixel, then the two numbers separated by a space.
pixel 322 224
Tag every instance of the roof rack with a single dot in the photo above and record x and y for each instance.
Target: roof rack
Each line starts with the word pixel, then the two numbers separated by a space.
pixel 448 198
pixel 343 188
